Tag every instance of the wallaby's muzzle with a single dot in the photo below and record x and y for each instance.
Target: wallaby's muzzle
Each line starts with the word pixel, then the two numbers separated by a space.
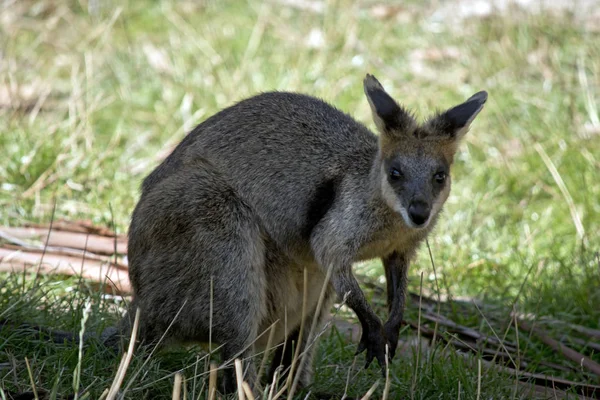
pixel 419 211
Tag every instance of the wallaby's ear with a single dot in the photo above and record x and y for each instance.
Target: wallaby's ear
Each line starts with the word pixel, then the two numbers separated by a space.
pixel 389 117
pixel 455 122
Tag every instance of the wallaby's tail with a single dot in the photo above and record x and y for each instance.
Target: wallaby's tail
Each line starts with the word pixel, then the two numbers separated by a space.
pixel 109 336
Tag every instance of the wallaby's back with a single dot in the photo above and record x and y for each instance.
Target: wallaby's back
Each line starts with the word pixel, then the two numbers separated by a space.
pixel 285 153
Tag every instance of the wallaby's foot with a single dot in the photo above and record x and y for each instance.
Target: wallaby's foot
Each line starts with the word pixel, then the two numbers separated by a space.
pixel 229 385
pixel 374 341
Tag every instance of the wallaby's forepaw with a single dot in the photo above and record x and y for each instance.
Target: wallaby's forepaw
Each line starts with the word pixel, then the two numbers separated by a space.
pixel 374 343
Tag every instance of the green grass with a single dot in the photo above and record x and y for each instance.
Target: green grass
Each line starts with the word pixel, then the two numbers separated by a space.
pixel 112 90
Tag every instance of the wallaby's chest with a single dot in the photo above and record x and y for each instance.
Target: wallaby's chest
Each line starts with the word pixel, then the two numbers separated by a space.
pixel 385 240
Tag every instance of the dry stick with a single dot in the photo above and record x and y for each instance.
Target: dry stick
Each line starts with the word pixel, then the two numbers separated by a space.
pixel 298 346
pixel 466 331
pixel 580 342
pixel 120 375
pixel 584 330
pixel 476 347
pixel 239 377
pixel 69 251
pixel 587 389
pixel 569 353
pixel 312 330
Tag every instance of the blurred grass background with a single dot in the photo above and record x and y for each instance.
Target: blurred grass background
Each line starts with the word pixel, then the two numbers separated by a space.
pixel 93 94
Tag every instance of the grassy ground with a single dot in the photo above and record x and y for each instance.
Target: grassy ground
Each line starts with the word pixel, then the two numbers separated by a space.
pixel 93 94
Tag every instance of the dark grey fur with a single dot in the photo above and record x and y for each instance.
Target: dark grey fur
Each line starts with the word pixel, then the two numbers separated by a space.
pixel 276 184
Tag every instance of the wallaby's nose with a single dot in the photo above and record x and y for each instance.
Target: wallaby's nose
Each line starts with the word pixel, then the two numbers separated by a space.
pixel 418 212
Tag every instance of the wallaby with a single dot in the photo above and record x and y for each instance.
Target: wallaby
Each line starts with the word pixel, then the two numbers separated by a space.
pixel 271 186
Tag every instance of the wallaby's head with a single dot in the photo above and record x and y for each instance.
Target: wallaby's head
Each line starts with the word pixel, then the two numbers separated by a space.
pixel 414 159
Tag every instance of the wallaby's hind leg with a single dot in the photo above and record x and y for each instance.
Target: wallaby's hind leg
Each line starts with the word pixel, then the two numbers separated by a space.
pixel 197 265
pixel 232 351
pixel 284 355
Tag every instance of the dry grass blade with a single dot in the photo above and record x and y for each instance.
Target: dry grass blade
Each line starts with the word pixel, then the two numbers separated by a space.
pixel 301 333
pixel 372 390
pixel 478 378
pixel 177 386
pixel 416 373
pixel 103 395
pixel 30 373
pixel 247 391
pixel 311 334
pixel 212 382
pixel 120 375
pixel 239 377
pixel 265 358
pixel 563 189
pixel 386 388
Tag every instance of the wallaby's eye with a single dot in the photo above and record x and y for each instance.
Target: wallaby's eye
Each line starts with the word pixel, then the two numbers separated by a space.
pixel 395 174
pixel 440 177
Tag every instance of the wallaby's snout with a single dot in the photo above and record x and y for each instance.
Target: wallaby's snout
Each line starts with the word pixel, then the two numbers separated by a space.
pixel 419 212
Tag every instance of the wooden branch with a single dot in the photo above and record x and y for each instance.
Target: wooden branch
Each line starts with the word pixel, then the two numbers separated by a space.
pixel 580 342
pixel 469 332
pixel 546 382
pixel 117 278
pixel 569 353
pixel 75 240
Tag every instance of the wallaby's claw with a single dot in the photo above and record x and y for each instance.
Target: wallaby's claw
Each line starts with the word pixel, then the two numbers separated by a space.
pixel 391 334
pixel 375 344
pixel 362 346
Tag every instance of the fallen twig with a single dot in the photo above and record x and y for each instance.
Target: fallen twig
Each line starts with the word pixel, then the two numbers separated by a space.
pixel 569 353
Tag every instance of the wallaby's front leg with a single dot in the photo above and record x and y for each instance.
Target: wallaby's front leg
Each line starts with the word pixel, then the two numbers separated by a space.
pixel 396 268
pixel 333 250
pixel 373 339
